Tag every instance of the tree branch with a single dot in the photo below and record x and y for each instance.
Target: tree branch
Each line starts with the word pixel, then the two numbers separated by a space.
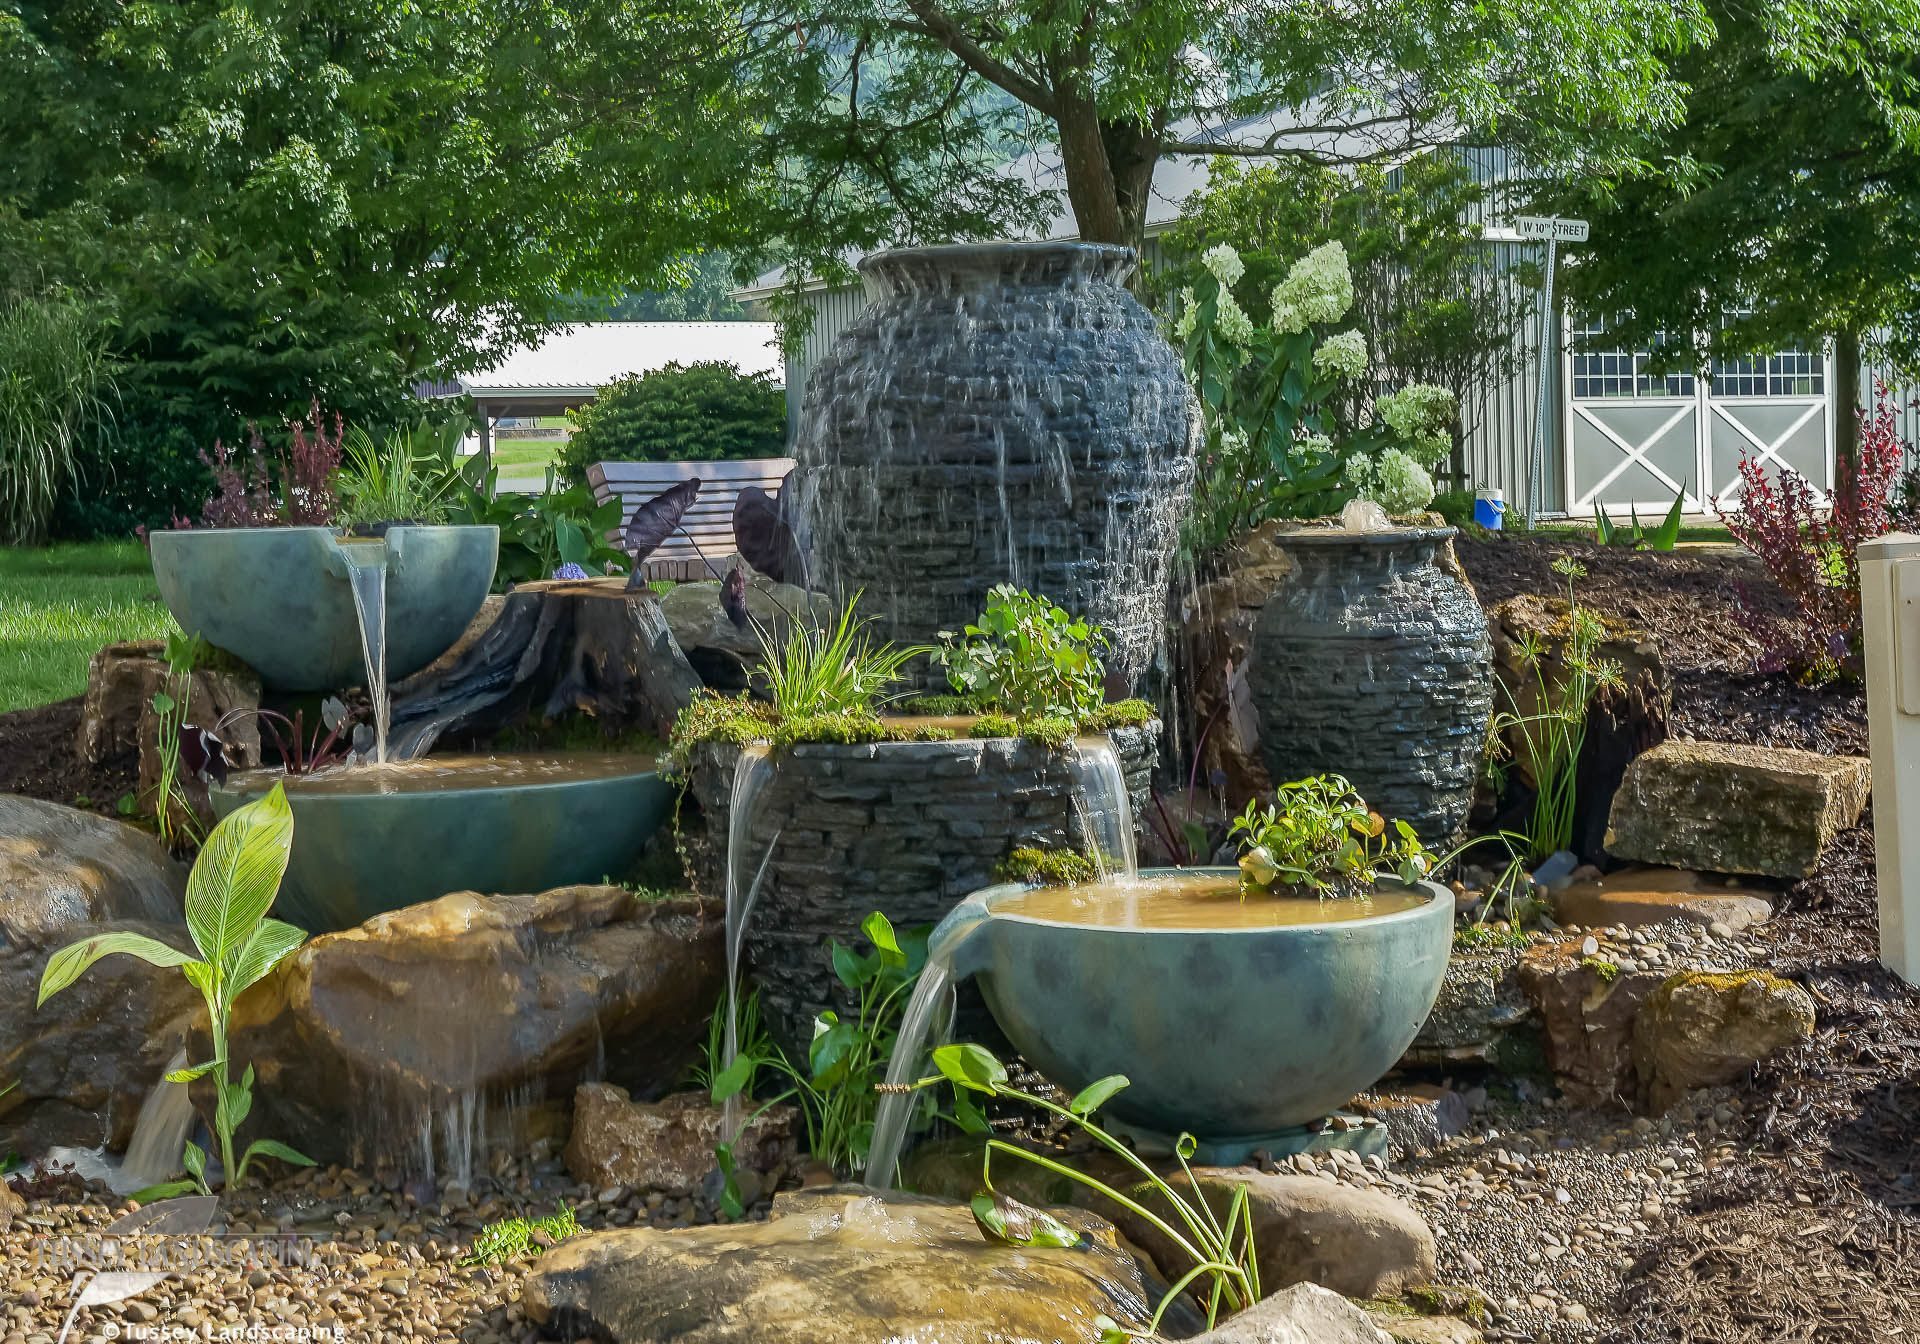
pixel 940 26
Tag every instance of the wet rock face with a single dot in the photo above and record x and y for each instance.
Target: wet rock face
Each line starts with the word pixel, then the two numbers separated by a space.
pixel 837 1267
pixel 1373 661
pixel 668 1145
pixel 906 828
pixel 1734 808
pixel 84 1061
pixel 1000 413
pixel 452 1013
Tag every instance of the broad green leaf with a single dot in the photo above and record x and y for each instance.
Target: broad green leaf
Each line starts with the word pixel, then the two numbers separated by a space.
pixel 731 1205
pixel 165 1190
pixel 827 1056
pixel 275 1149
pixel 238 874
pixel 970 1066
pixel 732 1080
pixel 1096 1094
pixel 968 1115
pixel 71 962
pixel 271 943
pixel 188 1075
pixel 162 703
pixel 194 1159
pixel 846 966
pixel 1008 1222
pixel 879 931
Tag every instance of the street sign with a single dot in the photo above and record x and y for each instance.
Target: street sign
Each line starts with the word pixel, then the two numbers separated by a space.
pixel 1551 228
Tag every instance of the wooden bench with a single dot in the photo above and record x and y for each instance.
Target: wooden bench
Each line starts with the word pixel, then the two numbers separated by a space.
pixel 709 521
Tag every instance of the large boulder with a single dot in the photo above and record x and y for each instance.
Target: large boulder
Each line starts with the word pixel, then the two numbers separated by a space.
pixel 1734 808
pixel 446 1012
pixel 668 1145
pixel 82 1063
pixel 1303 1314
pixel 61 868
pixel 837 1267
pixel 1706 1029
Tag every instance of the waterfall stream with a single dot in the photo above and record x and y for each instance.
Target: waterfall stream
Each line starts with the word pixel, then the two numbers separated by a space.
pixel 367 576
pixel 750 776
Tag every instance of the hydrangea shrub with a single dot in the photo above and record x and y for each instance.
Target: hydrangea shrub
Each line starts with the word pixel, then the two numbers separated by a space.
pixel 1275 446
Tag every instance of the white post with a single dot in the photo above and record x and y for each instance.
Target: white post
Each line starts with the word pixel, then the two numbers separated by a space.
pixel 1890 607
pixel 1541 430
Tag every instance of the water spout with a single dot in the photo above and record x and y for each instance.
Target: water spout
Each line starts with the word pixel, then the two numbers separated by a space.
pixel 750 776
pixel 1104 806
pixel 367 577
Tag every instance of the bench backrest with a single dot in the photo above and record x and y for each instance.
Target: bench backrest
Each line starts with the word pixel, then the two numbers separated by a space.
pixel 709 521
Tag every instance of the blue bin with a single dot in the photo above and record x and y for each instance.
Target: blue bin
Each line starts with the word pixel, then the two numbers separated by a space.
pixel 1489 507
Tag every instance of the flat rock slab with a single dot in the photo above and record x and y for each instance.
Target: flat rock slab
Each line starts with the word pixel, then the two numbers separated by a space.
pixel 1636 897
pixel 668 1145
pixel 1733 808
pixel 837 1266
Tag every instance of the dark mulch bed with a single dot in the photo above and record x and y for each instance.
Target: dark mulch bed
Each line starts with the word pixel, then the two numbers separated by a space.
pixel 1814 1234
pixel 1685 599
pixel 39 758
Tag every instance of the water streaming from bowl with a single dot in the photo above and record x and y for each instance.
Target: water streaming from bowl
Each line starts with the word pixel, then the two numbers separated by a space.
pixel 367 577
pixel 750 776
pixel 1106 817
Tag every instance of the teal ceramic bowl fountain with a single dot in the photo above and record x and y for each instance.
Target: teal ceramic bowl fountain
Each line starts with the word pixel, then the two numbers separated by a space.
pixel 369 839
pixel 279 598
pixel 1241 1037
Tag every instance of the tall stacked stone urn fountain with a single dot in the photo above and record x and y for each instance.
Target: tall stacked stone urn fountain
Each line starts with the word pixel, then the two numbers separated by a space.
pixel 1003 412
pixel 1372 660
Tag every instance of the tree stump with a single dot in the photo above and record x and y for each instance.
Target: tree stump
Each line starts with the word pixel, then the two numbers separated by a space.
pixel 557 647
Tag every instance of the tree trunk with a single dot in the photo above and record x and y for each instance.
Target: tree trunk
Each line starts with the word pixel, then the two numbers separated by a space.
pixel 1846 381
pixel 1091 189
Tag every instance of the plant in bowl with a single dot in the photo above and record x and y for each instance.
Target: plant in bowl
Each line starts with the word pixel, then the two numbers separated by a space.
pixel 1318 836
pixel 831 670
pixel 1027 657
pixel 400 479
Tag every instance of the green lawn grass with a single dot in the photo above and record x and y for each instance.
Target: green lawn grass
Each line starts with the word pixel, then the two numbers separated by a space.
pixel 533 453
pixel 59 604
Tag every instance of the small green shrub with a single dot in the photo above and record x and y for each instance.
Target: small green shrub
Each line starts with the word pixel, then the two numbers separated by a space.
pixel 513 1239
pixel 822 670
pixel 1319 835
pixel 231 888
pixel 938 706
pixel 56 391
pixel 995 725
pixel 1119 714
pixel 1045 867
pixel 1027 657
pixel 704 412
pixel 401 479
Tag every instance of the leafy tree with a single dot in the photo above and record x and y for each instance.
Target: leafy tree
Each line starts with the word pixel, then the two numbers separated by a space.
pixel 706 412
pixel 1797 215
pixel 298 199
pixel 700 291
pixel 892 118
pixel 1423 292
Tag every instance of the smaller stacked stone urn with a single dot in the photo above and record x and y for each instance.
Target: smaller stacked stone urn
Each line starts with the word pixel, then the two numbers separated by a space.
pixel 1372 660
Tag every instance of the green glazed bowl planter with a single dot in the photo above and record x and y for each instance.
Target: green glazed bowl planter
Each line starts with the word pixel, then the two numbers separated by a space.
pixel 357 855
pixel 278 599
pixel 1240 1037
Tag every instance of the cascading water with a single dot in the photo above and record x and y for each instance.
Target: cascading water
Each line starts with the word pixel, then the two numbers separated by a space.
pixel 160 1134
pixel 999 413
pixel 367 576
pixel 1104 806
pixel 750 776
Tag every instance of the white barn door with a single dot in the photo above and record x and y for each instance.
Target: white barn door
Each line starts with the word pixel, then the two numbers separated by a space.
pixel 1636 439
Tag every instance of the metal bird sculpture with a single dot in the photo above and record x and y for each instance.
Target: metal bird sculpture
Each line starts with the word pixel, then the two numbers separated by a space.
pixel 656 520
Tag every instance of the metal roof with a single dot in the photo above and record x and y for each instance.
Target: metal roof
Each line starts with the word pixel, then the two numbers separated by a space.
pixel 580 359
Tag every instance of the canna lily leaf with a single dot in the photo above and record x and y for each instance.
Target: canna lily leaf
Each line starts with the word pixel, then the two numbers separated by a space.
pixel 71 962
pixel 238 874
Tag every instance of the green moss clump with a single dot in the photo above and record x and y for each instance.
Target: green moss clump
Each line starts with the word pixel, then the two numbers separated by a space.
pixel 932 732
pixel 1045 867
pixel 1119 714
pixel 1052 732
pixel 843 727
pixel 731 719
pixel 938 706
pixel 995 725
pixel 1600 966
pixel 1486 938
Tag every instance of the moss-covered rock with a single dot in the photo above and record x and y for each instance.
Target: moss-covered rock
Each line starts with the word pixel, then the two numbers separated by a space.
pixel 1706 1029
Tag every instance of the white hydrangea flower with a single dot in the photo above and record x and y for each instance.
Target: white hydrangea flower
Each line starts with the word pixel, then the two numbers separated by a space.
pixel 1189 314
pixel 1232 320
pixel 1225 264
pixel 1397 483
pixel 1343 355
pixel 1289 318
pixel 1314 445
pixel 1318 287
pixel 1421 415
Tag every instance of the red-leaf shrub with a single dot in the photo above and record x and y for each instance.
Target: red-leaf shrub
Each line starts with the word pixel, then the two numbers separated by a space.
pixel 1811 548
pixel 243 488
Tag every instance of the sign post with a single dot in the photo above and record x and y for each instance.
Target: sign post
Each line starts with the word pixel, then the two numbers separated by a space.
pixel 1553 230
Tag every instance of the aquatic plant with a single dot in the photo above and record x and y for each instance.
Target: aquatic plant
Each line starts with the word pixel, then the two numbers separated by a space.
pixel 831 669
pixel 1224 1273
pixel 1319 835
pixel 1027 657
pixel 170 707
pixel 229 891
pixel 512 1239
pixel 400 479
pixel 838 1092
pixel 1551 734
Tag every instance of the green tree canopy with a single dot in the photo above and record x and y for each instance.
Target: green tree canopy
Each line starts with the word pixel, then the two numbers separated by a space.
pixel 1796 213
pixel 284 200
pixel 705 412
pixel 891 119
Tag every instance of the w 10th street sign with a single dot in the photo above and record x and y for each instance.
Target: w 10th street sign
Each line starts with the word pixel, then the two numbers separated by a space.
pixel 1551 228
